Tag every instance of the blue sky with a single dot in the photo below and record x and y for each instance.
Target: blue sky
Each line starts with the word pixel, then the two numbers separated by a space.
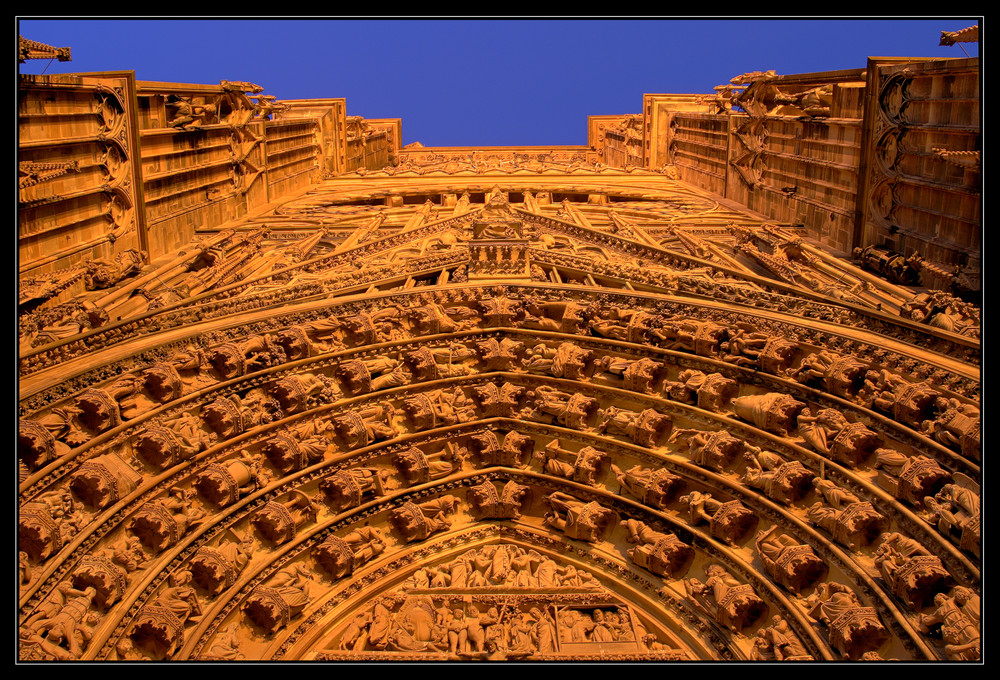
pixel 481 81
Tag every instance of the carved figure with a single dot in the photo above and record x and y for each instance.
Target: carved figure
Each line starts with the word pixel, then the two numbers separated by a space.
pixel 759 350
pixel 516 450
pixel 233 359
pixel 572 410
pixel 297 393
pixel 339 556
pixel 957 616
pixel 712 392
pixel 909 403
pixel 415 522
pixel 956 510
pixel 160 524
pixel 854 629
pixel 215 568
pixel 840 375
pixel 661 553
pixel 732 604
pixel 364 328
pixel 856 525
pixel 565 361
pixel 622 324
pixel 347 488
pixel 287 452
pixel 559 317
pixel 892 266
pixel 433 318
pixel 955 425
pixel 729 521
pixel 418 467
pixel 279 522
pixel 271 607
pixel 109 577
pixel 778 642
pixel 774 412
pixel 639 375
pixel 781 480
pixel 585 521
pixel 586 465
pixel 312 338
pixel 101 409
pixel 791 564
pixel 715 450
pixel 371 375
pixel 829 433
pixel 101 274
pixel 647 428
pixel 189 116
pixel 703 338
pixel 909 478
pixel 233 415
pixel 38 445
pixel 224 483
pixel 103 480
pixel 172 442
pixel 66 632
pixel 40 532
pixel 437 408
pixel 910 573
pixel 488 504
pixel 226 646
pixel 363 426
pixel 653 487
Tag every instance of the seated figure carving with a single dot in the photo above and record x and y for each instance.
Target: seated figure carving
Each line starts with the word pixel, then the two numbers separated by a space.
pixel 582 466
pixel 855 630
pixel 715 450
pixel 712 392
pixel 655 487
pixel 583 520
pixel 341 555
pixel 278 522
pixel 790 563
pixel 909 478
pixel 662 553
pixel 910 571
pixel 955 509
pixel 415 522
pixel 347 488
pixel 732 604
pixel 773 412
pixel 957 616
pixel 647 428
pixel 271 607
pixel 830 433
pixel 851 521
pixel 730 521
pixel 566 360
pixel 572 410
pixel 781 480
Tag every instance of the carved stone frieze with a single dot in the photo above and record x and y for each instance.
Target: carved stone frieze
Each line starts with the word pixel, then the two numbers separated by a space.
pixel 456 405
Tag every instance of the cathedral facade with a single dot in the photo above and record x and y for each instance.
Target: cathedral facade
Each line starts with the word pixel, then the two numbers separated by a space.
pixel 705 389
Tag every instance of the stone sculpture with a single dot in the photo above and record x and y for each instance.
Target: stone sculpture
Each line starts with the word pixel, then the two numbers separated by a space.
pixel 733 605
pixel 583 520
